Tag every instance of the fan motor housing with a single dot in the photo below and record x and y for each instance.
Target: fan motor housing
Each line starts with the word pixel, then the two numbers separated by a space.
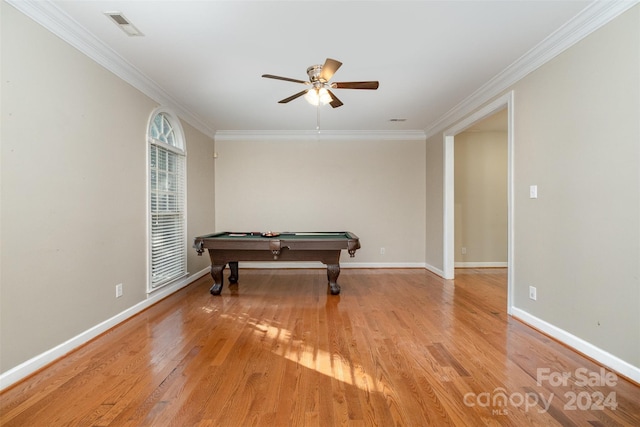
pixel 314 73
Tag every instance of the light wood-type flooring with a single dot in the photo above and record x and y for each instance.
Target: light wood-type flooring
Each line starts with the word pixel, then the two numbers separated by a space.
pixel 398 347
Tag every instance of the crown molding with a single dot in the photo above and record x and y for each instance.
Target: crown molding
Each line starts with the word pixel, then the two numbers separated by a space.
pixel 54 19
pixel 321 135
pixel 594 16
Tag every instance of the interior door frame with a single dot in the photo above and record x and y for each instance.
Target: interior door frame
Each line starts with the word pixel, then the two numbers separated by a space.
pixel 448 265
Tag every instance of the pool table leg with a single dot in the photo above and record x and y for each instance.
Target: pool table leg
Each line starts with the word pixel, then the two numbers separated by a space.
pixel 333 271
pixel 216 273
pixel 233 266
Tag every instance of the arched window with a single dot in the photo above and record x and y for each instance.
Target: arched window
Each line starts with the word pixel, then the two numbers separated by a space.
pixel 167 199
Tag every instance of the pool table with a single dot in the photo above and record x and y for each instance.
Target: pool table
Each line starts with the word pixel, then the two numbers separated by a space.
pixel 230 247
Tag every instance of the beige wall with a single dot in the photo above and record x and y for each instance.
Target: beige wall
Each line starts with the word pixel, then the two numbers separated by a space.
pixel 576 136
pixel 73 199
pixel 373 188
pixel 480 165
pixel 434 209
pixel 200 193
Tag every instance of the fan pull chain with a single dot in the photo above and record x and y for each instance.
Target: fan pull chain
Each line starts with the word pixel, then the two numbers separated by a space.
pixel 318 117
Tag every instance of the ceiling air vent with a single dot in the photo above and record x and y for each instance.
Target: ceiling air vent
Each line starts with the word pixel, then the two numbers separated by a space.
pixel 124 24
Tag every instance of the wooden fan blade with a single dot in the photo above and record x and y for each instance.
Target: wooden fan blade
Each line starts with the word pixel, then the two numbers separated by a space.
pixel 355 85
pixel 271 76
pixel 329 68
pixel 335 102
pixel 292 97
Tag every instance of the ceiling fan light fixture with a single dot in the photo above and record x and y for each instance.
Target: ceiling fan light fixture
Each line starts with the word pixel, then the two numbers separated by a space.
pixel 324 96
pixel 317 96
pixel 312 97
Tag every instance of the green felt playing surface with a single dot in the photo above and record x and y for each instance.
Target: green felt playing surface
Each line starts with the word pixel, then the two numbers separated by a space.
pixel 284 235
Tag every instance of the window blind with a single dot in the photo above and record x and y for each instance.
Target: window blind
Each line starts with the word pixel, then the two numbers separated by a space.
pixel 167 210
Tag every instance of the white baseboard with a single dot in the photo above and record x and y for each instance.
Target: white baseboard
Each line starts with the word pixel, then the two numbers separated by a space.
pixel 605 358
pixel 435 270
pixel 472 264
pixel 27 368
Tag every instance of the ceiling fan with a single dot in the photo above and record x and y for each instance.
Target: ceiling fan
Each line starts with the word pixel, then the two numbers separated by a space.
pixel 320 90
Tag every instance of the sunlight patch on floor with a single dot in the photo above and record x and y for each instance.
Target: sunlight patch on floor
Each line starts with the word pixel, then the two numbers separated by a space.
pixel 318 360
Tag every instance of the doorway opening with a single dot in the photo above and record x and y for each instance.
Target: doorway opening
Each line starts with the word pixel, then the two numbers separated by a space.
pixel 504 102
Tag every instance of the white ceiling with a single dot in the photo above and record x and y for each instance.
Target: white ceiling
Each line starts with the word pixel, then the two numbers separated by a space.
pixel 428 56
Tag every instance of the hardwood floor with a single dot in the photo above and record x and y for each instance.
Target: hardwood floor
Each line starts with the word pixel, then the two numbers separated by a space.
pixel 397 347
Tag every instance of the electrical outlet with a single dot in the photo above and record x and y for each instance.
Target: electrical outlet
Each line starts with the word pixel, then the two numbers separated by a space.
pixel 118 290
pixel 464 251
pixel 382 251
pixel 532 293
